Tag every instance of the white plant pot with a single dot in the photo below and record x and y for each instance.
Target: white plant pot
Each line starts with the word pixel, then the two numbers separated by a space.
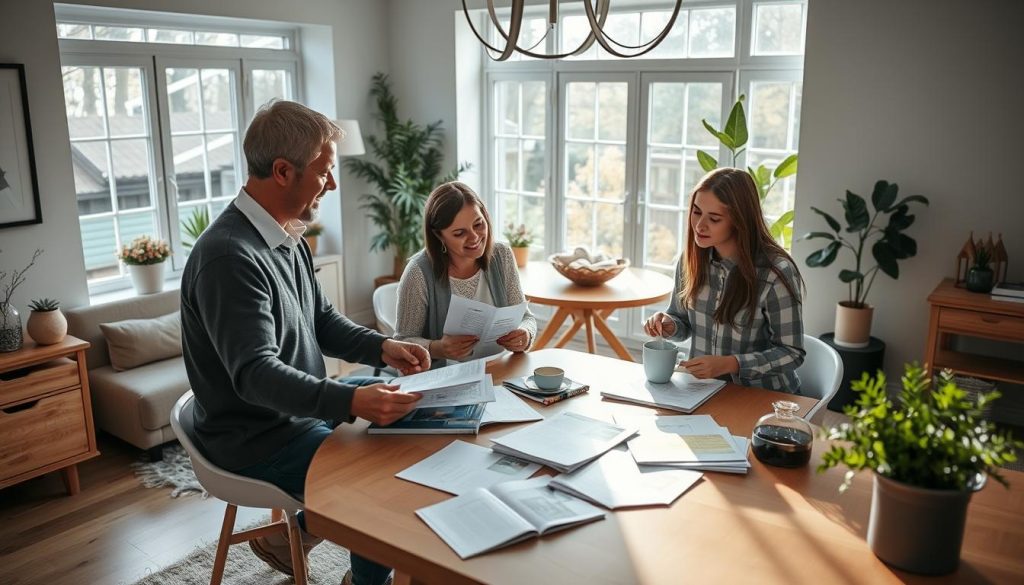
pixel 853 325
pixel 147 278
pixel 47 327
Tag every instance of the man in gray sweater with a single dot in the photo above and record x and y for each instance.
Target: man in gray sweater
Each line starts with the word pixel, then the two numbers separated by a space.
pixel 256 325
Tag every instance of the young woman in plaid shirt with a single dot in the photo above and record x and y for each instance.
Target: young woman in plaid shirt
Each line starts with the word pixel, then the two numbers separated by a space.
pixel 738 293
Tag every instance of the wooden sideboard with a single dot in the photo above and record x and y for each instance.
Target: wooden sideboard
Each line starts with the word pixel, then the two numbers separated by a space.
pixel 957 311
pixel 45 412
pixel 330 272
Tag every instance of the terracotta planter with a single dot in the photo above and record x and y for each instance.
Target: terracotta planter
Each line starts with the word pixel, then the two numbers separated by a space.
pixel 853 325
pixel 47 327
pixel 313 242
pixel 147 278
pixel 522 254
pixel 917 529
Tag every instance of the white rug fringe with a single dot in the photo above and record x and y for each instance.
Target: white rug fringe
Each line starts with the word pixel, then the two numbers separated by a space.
pixel 174 471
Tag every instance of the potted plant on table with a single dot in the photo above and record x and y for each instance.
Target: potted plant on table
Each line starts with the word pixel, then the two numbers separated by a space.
pixel 980 276
pixel 519 239
pixel 853 316
pixel 46 325
pixel 410 158
pixel 312 235
pixel 930 450
pixel 145 257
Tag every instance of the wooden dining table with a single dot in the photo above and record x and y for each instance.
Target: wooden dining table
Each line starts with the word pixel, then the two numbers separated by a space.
pixel 772 525
pixel 590 306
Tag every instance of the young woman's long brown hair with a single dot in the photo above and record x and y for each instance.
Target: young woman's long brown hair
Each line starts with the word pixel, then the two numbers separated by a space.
pixel 443 204
pixel 754 244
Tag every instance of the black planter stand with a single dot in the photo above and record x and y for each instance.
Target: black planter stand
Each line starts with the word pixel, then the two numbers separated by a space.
pixel 856 361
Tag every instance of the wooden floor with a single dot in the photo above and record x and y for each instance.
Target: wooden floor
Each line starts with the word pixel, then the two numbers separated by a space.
pixel 113 532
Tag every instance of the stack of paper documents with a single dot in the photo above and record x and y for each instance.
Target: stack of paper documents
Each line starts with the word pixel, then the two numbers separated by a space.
pixel 683 393
pixel 615 481
pixel 463 419
pixel 688 442
pixel 565 442
pixel 454 385
pixel 461 467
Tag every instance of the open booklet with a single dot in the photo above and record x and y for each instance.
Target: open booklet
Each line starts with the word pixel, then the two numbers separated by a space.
pixel 465 419
pixel 483 520
pixel 683 393
pixel 487 322
pixel 454 385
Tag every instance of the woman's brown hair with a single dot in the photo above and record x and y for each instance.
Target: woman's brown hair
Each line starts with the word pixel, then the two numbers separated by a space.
pixel 754 243
pixel 444 203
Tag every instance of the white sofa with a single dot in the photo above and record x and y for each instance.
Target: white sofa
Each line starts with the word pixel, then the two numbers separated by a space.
pixel 135 404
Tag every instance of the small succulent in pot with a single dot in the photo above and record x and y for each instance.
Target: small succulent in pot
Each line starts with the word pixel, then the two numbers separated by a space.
pixel 44 305
pixel 980 276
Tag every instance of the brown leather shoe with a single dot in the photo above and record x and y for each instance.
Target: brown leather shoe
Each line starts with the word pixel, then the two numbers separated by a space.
pixel 275 551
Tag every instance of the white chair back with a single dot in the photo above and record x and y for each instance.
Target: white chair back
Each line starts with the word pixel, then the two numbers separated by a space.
pixel 820 374
pixel 230 487
pixel 385 307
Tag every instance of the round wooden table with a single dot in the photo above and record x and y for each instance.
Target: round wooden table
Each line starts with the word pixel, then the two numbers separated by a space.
pixel 590 306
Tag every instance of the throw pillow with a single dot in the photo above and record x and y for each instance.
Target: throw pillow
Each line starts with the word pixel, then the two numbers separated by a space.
pixel 136 342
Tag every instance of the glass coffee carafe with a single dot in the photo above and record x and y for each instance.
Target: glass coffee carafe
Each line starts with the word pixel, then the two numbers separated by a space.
pixel 782 438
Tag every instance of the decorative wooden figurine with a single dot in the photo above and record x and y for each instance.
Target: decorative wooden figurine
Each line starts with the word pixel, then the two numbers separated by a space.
pixel 966 257
pixel 1000 260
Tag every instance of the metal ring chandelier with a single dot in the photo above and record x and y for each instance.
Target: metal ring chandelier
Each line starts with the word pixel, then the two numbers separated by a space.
pixel 597 14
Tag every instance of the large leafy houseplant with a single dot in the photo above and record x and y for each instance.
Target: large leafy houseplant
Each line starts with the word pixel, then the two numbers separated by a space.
pixel 409 167
pixel 929 449
pixel 890 244
pixel 734 138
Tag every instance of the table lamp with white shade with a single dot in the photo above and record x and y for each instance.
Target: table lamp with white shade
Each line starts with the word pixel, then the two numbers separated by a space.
pixel 352 144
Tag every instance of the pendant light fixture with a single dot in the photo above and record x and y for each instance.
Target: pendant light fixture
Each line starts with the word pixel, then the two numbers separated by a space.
pixel 597 15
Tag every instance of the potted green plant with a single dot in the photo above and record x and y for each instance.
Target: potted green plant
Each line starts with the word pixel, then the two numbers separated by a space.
pixel 46 324
pixel 519 239
pixel 980 276
pixel 195 225
pixel 853 316
pixel 410 158
pixel 930 450
pixel 312 235
pixel 11 337
pixel 734 138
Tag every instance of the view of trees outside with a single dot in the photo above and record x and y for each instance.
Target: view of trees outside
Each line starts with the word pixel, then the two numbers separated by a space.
pixel 595 165
pixel 774 108
pixel 779 28
pixel 520 114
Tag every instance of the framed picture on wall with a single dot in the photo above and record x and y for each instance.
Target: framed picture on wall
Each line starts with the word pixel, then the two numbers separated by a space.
pixel 19 187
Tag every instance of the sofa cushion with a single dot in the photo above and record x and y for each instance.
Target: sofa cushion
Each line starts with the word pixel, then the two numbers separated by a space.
pixel 135 342
pixel 147 392
pixel 84 322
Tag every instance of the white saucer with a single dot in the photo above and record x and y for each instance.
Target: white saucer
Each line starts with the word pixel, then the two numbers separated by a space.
pixel 535 388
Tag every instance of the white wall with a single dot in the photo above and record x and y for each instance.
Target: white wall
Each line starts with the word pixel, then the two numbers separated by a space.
pixel 927 94
pixel 357 43
pixel 28 36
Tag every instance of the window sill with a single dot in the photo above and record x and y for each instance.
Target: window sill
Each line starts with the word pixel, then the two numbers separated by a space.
pixel 173 282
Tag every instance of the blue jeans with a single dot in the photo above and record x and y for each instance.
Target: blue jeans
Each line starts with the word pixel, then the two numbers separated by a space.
pixel 287 470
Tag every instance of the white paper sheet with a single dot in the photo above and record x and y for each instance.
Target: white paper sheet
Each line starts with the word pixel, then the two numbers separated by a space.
pixel 565 441
pixel 461 467
pixel 507 407
pixel 487 322
pixel 453 375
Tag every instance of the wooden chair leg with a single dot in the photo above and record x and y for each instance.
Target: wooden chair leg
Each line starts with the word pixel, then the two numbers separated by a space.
pixel 295 543
pixel 221 558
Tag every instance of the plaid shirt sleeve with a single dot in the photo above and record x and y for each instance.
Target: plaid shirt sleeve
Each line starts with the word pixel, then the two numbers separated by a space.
pixel 675 311
pixel 785 328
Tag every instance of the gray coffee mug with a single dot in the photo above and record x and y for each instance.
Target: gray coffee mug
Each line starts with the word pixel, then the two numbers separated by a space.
pixel 548 377
pixel 660 359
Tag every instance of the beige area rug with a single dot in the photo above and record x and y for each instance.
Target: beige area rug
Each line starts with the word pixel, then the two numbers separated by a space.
pixel 327 565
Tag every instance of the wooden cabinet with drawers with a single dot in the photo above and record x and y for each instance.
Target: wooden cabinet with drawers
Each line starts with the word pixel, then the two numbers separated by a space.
pixel 331 276
pixel 45 412
pixel 957 311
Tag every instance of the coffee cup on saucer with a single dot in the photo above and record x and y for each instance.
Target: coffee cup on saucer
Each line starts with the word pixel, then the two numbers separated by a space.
pixel 548 377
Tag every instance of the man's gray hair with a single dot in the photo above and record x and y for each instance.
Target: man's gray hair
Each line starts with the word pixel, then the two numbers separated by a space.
pixel 288 130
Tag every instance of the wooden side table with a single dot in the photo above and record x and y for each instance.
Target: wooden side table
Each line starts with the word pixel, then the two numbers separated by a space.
pixel 45 412
pixel 957 311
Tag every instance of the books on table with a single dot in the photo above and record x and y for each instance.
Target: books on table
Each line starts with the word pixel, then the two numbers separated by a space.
pixel 564 442
pixel 461 467
pixel 525 388
pixel 686 441
pixel 464 419
pixel 483 520
pixel 614 480
pixel 1010 292
pixel 487 322
pixel 454 385
pixel 683 393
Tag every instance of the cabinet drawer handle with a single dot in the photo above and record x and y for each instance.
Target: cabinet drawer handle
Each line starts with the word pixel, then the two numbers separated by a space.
pixel 21 407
